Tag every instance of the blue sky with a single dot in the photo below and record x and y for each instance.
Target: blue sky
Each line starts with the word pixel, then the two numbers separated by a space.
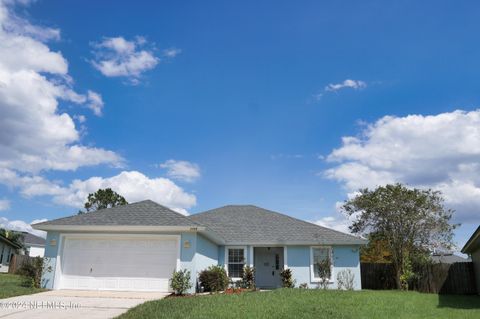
pixel 253 97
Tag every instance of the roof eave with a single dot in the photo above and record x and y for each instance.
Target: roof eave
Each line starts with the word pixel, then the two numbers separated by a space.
pixel 11 243
pixel 297 243
pixel 114 228
pixel 471 241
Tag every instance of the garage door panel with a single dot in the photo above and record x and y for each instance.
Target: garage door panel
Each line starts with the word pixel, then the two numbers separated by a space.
pixel 118 264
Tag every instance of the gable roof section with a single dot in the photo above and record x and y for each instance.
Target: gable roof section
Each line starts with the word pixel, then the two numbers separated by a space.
pixel 32 240
pixel 449 258
pixel 473 243
pixel 9 242
pixel 144 213
pixel 247 224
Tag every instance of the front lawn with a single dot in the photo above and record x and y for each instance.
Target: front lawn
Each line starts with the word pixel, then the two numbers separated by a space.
pixel 298 303
pixel 11 286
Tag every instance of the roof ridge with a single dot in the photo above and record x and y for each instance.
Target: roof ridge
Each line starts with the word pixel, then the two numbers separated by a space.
pixel 280 214
pixel 225 206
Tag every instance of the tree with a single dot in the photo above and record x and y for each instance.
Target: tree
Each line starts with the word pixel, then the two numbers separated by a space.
pixel 15 237
pixel 411 222
pixel 103 198
pixel 376 251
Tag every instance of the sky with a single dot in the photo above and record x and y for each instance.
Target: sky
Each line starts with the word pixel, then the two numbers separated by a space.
pixel 289 106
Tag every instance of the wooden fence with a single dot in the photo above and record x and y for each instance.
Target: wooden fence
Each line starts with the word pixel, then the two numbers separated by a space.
pixel 17 262
pixel 457 278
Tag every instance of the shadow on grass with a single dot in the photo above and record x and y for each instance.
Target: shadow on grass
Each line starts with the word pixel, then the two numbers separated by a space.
pixel 459 301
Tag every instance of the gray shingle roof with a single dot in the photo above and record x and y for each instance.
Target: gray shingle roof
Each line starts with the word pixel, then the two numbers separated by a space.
pixel 144 213
pixel 449 258
pixel 30 239
pixel 250 224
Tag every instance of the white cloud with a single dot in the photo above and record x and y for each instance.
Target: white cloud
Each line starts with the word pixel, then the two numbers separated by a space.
pixel 133 185
pixel 439 151
pixel 353 84
pixel 339 223
pixel 118 57
pixel 34 134
pixel 4 204
pixel 171 52
pixel 20 225
pixel 80 118
pixel 182 170
pixel 95 102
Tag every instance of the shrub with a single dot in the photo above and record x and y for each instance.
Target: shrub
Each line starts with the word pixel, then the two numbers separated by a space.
pixel 248 279
pixel 345 279
pixel 34 270
pixel 303 286
pixel 287 278
pixel 324 272
pixel 180 281
pixel 214 279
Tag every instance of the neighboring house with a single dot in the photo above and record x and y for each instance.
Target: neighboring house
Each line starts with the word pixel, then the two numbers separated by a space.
pixel 7 250
pixel 448 258
pixel 138 246
pixel 34 246
pixel 472 248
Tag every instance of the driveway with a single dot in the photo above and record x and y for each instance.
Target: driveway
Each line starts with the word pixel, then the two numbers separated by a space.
pixel 74 304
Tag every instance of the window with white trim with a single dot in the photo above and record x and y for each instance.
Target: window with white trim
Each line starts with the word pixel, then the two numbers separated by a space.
pixel 235 262
pixel 319 255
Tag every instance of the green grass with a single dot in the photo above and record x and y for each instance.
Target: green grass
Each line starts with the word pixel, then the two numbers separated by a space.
pixel 11 286
pixel 299 303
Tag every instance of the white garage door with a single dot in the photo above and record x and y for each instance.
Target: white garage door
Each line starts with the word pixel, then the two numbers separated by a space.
pixel 118 263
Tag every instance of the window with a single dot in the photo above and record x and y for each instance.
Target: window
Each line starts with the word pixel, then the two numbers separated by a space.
pixel 8 255
pixel 319 255
pixel 235 262
pixel 1 254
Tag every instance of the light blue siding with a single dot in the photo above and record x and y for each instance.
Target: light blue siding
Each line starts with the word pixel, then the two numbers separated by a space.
pixel 187 256
pixel 344 257
pixel 347 257
pixel 221 255
pixel 298 260
pixel 206 256
pixel 197 253
pixel 51 252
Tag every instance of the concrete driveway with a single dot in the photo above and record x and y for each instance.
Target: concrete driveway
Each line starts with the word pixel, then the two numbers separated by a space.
pixel 74 304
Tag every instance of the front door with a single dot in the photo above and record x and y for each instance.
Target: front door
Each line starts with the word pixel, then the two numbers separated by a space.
pixel 268 265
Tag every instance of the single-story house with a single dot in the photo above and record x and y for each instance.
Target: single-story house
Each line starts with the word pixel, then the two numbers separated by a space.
pixel 7 249
pixel 472 248
pixel 34 246
pixel 137 247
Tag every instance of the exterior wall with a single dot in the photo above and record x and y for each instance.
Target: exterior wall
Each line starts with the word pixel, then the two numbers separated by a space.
pixel 198 253
pixel 344 257
pixel 5 251
pixel 207 254
pixel 476 266
pixel 187 256
pixel 51 252
pixel 36 251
